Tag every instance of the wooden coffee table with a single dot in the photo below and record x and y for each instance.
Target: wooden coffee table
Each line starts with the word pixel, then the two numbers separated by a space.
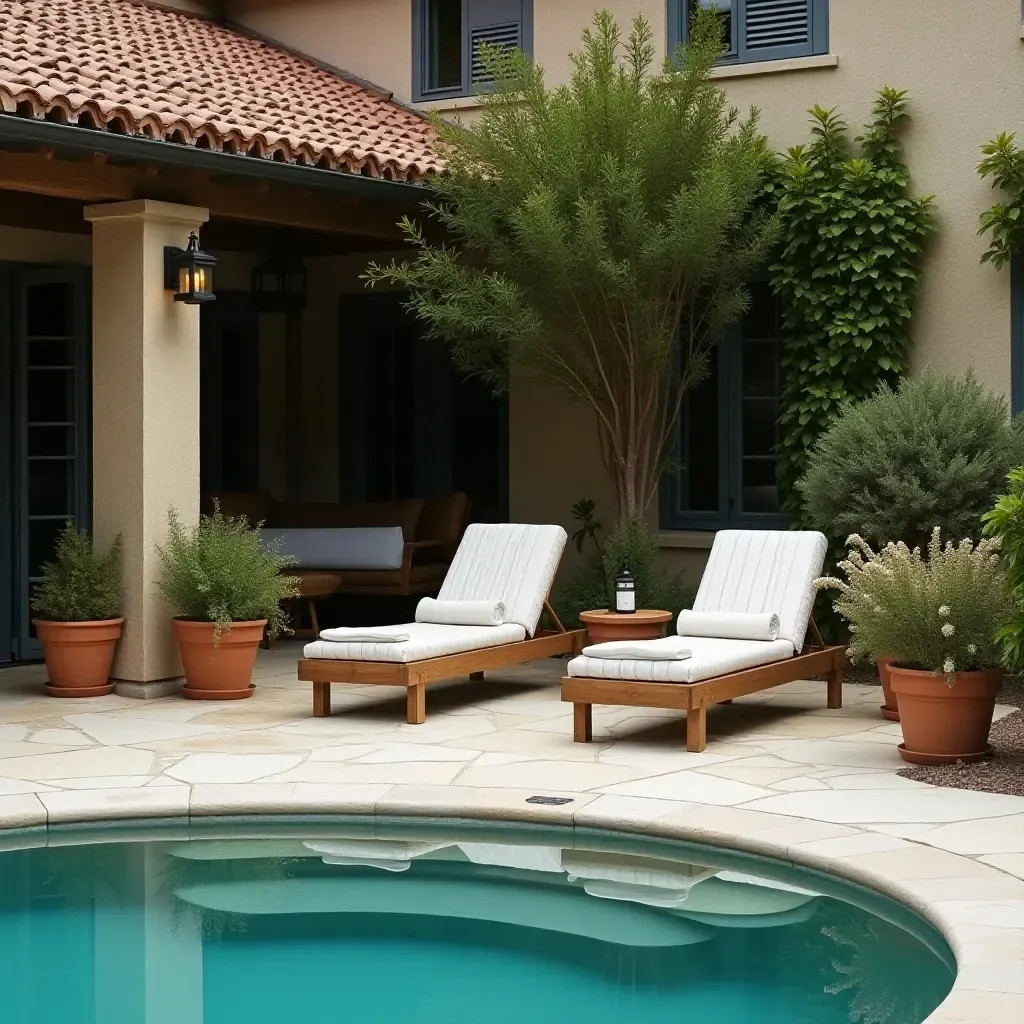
pixel 643 624
pixel 313 586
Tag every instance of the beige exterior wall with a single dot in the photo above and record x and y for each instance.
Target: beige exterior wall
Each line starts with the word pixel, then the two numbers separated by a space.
pixel 371 39
pixel 30 246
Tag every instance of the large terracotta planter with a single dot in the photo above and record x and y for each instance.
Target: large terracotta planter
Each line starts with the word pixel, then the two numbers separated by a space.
pixel 890 709
pixel 942 724
pixel 222 671
pixel 79 655
pixel 644 624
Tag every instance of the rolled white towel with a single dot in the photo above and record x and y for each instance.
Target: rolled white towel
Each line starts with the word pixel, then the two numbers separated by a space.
pixel 666 648
pixel 729 625
pixel 460 613
pixel 365 635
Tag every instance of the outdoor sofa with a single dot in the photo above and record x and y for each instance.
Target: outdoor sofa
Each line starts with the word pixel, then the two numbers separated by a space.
pixel 401 547
pixel 504 564
pixel 752 576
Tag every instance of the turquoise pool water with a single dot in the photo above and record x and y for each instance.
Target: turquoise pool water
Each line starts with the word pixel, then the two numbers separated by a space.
pixel 407 923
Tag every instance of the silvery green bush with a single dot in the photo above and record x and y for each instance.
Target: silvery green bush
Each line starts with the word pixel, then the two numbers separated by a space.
pixel 932 453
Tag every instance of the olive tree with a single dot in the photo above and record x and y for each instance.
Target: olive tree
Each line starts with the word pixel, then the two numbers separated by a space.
pixel 598 233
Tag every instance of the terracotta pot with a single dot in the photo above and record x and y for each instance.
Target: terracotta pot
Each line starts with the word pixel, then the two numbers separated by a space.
pixel 644 624
pixel 79 655
pixel 942 724
pixel 889 709
pixel 221 672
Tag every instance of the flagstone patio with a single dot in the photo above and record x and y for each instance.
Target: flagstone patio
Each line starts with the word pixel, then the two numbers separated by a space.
pixel 782 775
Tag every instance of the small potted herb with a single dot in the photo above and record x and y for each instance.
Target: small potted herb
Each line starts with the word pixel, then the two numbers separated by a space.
pixel 225 587
pixel 78 607
pixel 939 618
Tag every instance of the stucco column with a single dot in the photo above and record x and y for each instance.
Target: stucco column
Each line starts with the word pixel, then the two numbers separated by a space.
pixel 145 386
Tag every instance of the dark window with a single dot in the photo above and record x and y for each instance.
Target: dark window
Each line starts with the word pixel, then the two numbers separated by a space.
pixel 757 30
pixel 447 39
pixel 725 452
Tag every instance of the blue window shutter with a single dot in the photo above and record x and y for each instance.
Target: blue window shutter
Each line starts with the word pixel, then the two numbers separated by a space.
pixel 763 29
pixel 775 29
pixel 502 23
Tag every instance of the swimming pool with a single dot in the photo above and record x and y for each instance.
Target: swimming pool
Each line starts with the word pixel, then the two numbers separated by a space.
pixel 407 922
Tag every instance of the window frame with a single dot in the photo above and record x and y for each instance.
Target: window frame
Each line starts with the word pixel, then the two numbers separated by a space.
pixel 678 31
pixel 420 57
pixel 672 513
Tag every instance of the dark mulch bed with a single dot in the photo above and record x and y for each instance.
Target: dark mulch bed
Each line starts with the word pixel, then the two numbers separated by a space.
pixel 1004 773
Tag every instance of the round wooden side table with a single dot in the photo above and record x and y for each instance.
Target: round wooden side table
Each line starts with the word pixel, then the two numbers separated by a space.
pixel 643 624
pixel 313 585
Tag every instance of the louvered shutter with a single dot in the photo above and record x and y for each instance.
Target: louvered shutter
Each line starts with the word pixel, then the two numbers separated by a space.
pixel 773 29
pixel 497 22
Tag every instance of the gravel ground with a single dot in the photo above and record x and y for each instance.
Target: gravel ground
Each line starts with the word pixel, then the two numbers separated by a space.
pixel 1004 773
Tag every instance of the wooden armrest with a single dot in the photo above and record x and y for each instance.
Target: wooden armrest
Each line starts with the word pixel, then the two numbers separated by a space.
pixel 412 546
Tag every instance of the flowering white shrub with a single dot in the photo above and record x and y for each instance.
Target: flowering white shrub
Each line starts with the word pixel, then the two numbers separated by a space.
pixel 941 613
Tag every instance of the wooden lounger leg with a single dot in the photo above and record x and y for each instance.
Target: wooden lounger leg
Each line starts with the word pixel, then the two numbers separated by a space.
pixel 321 699
pixel 696 730
pixel 582 723
pixel 476 675
pixel 416 703
pixel 835 687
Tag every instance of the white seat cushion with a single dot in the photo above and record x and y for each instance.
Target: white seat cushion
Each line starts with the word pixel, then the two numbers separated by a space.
pixel 764 571
pixel 711 657
pixel 426 640
pixel 364 547
pixel 508 562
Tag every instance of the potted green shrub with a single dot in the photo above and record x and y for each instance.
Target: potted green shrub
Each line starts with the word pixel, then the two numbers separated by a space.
pixel 78 607
pixel 591 586
pixel 938 617
pixel 933 452
pixel 225 587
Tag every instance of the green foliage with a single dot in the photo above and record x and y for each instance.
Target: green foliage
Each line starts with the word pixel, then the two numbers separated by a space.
pixel 848 272
pixel 631 545
pixel 79 585
pixel 590 527
pixel 594 230
pixel 939 613
pixel 935 452
pixel 1003 165
pixel 221 571
pixel 1005 522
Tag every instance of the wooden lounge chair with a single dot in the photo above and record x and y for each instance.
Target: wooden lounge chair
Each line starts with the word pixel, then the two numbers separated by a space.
pixel 748 571
pixel 511 563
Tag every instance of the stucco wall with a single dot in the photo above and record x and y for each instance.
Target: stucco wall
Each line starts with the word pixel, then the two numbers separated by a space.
pixel 30 246
pixel 372 39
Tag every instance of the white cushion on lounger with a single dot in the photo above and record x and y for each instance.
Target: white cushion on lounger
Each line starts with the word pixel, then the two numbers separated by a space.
pixel 362 547
pixel 426 640
pixel 508 562
pixel 764 571
pixel 710 657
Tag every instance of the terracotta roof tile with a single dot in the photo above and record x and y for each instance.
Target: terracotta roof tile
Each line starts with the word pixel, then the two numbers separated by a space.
pixel 138 69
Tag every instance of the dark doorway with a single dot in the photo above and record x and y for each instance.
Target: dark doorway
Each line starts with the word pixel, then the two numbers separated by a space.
pixel 411 425
pixel 229 394
pixel 45 432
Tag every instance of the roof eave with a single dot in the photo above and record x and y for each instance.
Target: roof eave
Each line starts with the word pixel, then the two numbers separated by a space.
pixel 21 131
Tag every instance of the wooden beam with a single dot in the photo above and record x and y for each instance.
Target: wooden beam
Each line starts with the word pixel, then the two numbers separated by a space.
pixel 280 206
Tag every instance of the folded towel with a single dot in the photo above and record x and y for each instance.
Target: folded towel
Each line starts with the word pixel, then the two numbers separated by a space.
pixel 666 648
pixel 361 635
pixel 729 625
pixel 460 613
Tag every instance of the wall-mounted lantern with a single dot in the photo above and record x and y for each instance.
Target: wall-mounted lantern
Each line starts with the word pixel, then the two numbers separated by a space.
pixel 188 272
pixel 279 285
